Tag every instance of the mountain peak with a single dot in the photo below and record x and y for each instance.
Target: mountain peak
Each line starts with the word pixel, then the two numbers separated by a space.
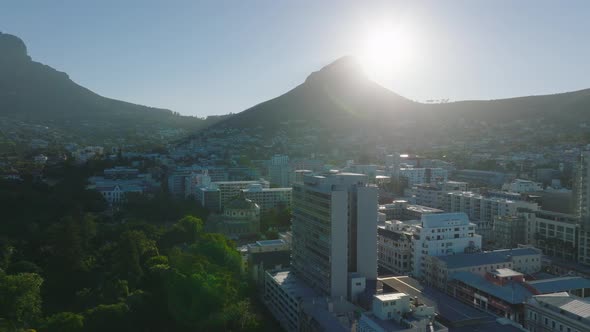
pixel 345 68
pixel 12 47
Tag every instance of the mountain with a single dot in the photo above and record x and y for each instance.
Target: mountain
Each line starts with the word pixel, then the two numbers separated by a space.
pixel 340 98
pixel 32 93
pixel 337 96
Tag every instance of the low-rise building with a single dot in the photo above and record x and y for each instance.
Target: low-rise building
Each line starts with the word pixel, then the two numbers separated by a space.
pixel 266 255
pixel 554 233
pixel 284 295
pixel 504 292
pixel 297 307
pixel 114 188
pixel 230 189
pixel 240 218
pixel 209 198
pixel 115 193
pixel 509 231
pixel 434 195
pixel 522 186
pixel 394 249
pixel 441 268
pixel 482 210
pixel 399 312
pixel 480 177
pixel 268 198
pixel 402 210
pixel 414 176
pixel 557 312
pixel 442 234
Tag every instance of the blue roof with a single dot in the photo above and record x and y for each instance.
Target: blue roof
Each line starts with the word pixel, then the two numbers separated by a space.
pixel 560 284
pixel 512 292
pixel 485 258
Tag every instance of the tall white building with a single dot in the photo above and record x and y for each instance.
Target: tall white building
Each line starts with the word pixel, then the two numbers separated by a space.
pixel 442 234
pixel 334 233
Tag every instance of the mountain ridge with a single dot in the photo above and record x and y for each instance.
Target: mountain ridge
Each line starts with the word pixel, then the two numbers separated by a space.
pixel 34 93
pixel 341 90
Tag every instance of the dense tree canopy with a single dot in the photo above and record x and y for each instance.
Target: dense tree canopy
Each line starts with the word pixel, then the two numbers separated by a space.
pixel 66 265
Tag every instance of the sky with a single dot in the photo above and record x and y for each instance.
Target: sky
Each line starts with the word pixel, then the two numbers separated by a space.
pixel 215 57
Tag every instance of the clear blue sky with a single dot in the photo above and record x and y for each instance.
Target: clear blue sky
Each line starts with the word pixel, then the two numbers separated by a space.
pixel 216 57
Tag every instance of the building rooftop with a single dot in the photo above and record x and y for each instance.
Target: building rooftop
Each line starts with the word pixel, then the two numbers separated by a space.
pixel 511 292
pixel 391 325
pixel 390 296
pixel 455 314
pixel 505 273
pixel 573 305
pixel 394 235
pixel 332 314
pixel 261 189
pixel 559 284
pixel 443 219
pixel 423 209
pixel 291 284
pixel 485 258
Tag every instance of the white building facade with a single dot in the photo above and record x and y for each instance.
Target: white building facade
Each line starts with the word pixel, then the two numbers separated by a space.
pixel 442 234
pixel 334 231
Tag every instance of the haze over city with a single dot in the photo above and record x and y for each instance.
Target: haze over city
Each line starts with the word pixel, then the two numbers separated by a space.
pixel 299 166
pixel 204 58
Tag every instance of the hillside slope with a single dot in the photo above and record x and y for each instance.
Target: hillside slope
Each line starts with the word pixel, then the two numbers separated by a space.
pixel 36 94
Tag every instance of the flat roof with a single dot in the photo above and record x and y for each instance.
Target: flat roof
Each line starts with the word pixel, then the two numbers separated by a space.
pixel 574 305
pixel 511 292
pixel 390 296
pixel 559 284
pixel 258 189
pixel 506 273
pixel 295 287
pixel 485 258
pixel 449 309
pixel 422 208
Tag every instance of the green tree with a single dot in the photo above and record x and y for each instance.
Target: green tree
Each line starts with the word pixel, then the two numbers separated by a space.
pixel 127 256
pixel 184 231
pixel 240 316
pixel 24 267
pixel 63 322
pixel 107 317
pixel 20 298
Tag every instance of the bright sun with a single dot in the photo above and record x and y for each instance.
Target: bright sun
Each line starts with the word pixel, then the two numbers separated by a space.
pixel 386 50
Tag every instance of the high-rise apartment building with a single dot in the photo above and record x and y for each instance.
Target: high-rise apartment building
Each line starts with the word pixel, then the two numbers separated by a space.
pixel 335 233
pixel 582 205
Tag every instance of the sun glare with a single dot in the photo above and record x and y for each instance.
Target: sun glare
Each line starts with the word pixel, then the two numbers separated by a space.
pixel 386 50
